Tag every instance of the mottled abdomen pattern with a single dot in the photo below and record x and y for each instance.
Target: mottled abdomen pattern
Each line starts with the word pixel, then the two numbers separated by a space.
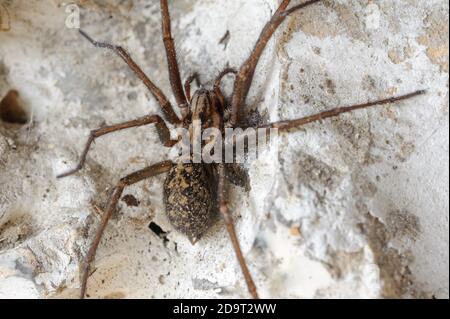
pixel 188 196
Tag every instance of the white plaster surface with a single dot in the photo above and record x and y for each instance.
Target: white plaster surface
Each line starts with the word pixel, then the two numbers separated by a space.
pixel 351 207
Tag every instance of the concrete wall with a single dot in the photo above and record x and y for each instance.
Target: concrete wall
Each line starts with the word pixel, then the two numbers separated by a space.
pixel 350 207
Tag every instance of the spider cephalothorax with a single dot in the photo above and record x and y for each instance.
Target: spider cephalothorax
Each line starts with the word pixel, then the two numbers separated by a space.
pixel 194 191
pixel 206 107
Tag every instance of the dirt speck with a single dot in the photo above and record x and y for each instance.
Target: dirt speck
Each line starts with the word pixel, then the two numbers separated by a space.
pixel 225 39
pixel 295 231
pixel 130 200
pixel 330 86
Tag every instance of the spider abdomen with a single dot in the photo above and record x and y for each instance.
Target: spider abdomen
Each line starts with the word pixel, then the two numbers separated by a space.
pixel 188 197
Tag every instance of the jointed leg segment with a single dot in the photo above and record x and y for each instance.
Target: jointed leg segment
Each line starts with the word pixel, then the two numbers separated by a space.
pixel 174 72
pixel 162 129
pixel 187 85
pixel 245 76
pixel 221 75
pixel 286 125
pixel 115 197
pixel 228 219
pixel 157 93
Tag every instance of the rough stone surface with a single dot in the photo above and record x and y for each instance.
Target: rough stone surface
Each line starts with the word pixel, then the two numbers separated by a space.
pixel 350 207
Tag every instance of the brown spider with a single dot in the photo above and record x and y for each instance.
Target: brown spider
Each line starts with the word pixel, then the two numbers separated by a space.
pixel 193 192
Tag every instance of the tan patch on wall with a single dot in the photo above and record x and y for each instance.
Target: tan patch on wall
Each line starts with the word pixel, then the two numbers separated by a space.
pixel 306 21
pixel 436 38
pixel 351 22
pixel 399 55
pixel 394 265
pixel 402 223
pixel 5 19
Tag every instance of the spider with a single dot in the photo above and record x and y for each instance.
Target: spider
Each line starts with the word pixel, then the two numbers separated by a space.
pixel 194 192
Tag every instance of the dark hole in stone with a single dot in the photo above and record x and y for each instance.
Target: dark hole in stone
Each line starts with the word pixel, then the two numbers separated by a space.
pixel 130 200
pixel 159 232
pixel 11 109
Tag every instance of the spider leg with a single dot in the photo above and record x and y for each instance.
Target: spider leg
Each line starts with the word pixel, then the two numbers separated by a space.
pixel 117 193
pixel 246 72
pixel 157 93
pixel 174 72
pixel 218 90
pixel 221 75
pixel 187 85
pixel 286 125
pixel 162 129
pixel 223 205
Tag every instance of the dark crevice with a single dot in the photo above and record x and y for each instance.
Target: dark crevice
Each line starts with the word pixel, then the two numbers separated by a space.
pixel 159 232
pixel 11 109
